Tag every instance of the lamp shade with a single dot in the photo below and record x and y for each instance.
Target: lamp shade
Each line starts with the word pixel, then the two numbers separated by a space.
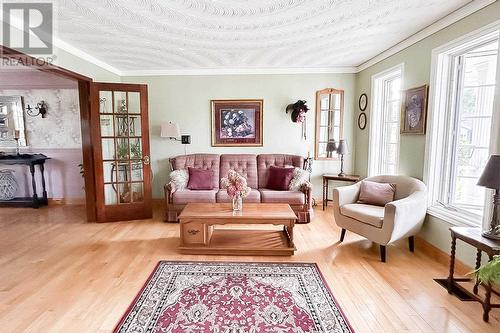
pixel 170 130
pixel 342 148
pixel 331 146
pixel 491 173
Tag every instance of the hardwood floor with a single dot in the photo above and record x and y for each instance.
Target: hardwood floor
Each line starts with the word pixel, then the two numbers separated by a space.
pixel 60 274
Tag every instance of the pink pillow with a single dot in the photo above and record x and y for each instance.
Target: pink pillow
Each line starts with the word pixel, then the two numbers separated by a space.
pixel 279 178
pixel 200 179
pixel 373 193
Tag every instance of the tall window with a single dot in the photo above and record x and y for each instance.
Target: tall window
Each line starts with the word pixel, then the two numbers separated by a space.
pixel 471 127
pixel 384 124
pixel 462 118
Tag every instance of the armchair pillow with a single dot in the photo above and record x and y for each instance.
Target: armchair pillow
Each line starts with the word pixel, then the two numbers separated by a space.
pixel 373 193
pixel 200 179
pixel 300 177
pixel 279 178
pixel 180 179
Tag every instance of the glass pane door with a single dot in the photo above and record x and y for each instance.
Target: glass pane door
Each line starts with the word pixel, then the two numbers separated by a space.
pixel 124 151
pixel 120 121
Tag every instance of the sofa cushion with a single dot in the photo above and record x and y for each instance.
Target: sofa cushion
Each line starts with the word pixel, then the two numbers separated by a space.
pixel 279 178
pixel 253 197
pixel 180 179
pixel 200 161
pixel 187 196
pixel 300 177
pixel 200 179
pixel 243 164
pixel 289 197
pixel 373 193
pixel 264 162
pixel 369 214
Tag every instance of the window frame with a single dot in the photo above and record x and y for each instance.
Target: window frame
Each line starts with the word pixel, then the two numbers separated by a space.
pixel 444 83
pixel 377 118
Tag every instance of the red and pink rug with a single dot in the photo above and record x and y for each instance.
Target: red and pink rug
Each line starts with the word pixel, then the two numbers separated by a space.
pixel 222 297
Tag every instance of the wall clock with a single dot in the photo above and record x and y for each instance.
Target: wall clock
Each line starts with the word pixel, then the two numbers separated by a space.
pixel 362 121
pixel 363 102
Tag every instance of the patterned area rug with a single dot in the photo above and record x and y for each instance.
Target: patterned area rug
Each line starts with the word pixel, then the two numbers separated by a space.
pixel 218 297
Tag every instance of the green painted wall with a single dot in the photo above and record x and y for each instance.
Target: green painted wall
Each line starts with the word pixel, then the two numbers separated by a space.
pixel 417 67
pixel 186 100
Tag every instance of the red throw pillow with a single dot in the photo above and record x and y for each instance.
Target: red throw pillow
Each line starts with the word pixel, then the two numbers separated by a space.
pixel 200 179
pixel 279 178
pixel 373 193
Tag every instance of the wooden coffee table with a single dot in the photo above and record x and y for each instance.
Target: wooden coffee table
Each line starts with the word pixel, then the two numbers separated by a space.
pixel 202 229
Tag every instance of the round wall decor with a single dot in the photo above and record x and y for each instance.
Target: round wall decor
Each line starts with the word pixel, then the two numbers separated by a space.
pixel 363 102
pixel 362 121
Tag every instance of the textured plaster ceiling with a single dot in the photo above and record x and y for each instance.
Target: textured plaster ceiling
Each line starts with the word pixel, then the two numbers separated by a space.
pixel 222 34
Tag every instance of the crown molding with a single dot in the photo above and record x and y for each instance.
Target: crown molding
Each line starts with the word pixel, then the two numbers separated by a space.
pixel 446 21
pixel 242 71
pixel 85 56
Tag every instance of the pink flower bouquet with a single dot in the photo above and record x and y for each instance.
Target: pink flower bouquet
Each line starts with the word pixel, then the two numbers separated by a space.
pixel 235 185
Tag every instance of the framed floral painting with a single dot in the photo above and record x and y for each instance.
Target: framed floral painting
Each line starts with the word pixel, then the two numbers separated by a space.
pixel 414 110
pixel 237 122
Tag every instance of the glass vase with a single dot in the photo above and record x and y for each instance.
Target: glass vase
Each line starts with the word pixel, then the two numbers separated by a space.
pixel 237 203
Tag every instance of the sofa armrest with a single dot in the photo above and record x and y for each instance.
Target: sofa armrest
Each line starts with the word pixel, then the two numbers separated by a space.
pixel 344 195
pixel 405 216
pixel 169 189
pixel 306 188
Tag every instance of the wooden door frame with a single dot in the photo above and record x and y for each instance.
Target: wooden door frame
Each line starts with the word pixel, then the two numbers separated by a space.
pixel 84 84
pixel 142 89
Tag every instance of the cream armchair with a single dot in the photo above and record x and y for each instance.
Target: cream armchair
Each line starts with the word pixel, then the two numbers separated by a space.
pixel 400 218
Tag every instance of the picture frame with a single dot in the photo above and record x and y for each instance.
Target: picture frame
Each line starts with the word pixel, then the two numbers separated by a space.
pixel 237 123
pixel 363 102
pixel 414 110
pixel 362 121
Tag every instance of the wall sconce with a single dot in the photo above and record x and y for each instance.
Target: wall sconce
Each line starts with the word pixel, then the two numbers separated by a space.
pixel 40 108
pixel 173 132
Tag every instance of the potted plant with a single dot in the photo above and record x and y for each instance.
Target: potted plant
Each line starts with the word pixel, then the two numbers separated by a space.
pixel 489 273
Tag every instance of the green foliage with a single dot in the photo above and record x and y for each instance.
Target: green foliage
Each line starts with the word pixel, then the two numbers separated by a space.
pixel 489 272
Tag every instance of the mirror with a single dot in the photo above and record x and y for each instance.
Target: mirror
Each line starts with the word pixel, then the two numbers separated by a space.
pixel 12 122
pixel 329 121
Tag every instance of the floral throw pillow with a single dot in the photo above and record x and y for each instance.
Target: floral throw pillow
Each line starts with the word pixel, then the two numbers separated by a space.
pixel 180 179
pixel 300 177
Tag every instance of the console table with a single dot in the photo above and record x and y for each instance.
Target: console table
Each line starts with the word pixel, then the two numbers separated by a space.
pixel 473 237
pixel 328 177
pixel 30 160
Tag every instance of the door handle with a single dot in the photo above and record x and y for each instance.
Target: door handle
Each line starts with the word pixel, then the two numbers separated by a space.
pixel 145 160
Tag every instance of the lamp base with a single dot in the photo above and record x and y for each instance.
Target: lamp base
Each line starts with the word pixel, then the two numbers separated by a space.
pixel 341 174
pixel 489 234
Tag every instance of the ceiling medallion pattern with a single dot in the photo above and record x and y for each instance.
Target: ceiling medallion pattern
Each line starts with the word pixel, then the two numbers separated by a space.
pixel 202 34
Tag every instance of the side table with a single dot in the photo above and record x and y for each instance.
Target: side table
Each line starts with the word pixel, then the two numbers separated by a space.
pixel 328 177
pixel 31 160
pixel 473 237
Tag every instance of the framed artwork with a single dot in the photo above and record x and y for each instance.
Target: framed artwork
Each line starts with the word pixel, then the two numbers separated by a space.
pixel 362 121
pixel 363 102
pixel 414 110
pixel 237 122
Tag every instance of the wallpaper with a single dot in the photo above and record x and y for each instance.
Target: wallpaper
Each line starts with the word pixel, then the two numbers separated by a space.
pixel 61 127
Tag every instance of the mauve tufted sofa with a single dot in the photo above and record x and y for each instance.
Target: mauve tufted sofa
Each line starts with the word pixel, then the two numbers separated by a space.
pixel 255 168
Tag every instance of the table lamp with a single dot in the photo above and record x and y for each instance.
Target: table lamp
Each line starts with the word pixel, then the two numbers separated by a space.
pixel 491 179
pixel 331 146
pixel 342 150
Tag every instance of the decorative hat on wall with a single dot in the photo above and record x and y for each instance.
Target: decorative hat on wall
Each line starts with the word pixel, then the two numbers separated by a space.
pixel 297 111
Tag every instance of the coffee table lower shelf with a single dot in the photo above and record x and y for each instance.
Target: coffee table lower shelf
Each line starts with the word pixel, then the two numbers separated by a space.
pixel 243 242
